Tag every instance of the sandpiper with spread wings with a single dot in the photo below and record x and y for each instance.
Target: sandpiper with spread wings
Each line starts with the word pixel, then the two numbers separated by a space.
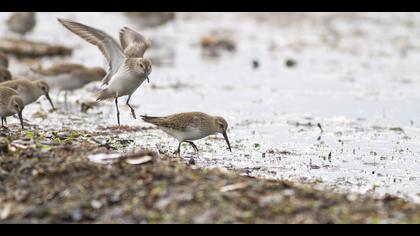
pixel 127 67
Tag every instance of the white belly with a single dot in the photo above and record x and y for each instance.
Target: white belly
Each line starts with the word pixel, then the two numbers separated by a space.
pixel 124 83
pixel 188 135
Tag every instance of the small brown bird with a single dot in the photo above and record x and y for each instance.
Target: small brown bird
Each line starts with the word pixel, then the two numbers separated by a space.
pixel 5 74
pixel 190 126
pixel 21 22
pixel 69 77
pixel 10 104
pixel 4 61
pixel 29 90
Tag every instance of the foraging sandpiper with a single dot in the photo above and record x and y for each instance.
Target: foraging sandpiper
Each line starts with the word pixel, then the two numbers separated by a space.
pixel 190 126
pixel 29 90
pixel 5 74
pixel 68 77
pixel 127 67
pixel 10 104
pixel 21 22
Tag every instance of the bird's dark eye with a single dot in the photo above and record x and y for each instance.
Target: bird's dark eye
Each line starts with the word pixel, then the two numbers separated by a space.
pixel 141 65
pixel 16 106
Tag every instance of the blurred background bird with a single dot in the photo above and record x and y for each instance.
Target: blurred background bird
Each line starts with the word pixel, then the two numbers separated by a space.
pixel 21 22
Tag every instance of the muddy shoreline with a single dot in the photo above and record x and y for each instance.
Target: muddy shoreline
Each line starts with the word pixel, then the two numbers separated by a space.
pixel 46 177
pixel 320 113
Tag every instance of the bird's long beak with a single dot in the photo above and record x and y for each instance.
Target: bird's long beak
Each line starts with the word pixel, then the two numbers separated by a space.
pixel 227 140
pixel 49 99
pixel 20 118
pixel 148 80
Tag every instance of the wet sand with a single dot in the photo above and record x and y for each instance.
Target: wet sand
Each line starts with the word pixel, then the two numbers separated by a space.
pixel 47 178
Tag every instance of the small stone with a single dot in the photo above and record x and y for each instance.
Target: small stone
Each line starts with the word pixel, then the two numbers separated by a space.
pixel 63 135
pixel 255 64
pixel 96 204
pixel 114 198
pixel 77 215
pixel 290 63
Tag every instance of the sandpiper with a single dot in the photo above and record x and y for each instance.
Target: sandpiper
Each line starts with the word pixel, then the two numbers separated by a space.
pixel 10 104
pixel 68 76
pixel 189 126
pixel 29 90
pixel 21 22
pixel 127 67
pixel 5 74
pixel 4 61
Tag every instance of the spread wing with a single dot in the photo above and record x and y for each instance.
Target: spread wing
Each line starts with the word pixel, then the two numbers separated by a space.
pixel 108 46
pixel 133 43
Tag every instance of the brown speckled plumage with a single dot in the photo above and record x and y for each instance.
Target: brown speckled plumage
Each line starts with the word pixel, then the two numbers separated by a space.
pixel 29 90
pixel 10 103
pixel 189 126
pixel 69 76
pixel 5 74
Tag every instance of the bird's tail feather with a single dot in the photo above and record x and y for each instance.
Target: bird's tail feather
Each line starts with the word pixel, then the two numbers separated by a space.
pixel 148 118
pixel 104 95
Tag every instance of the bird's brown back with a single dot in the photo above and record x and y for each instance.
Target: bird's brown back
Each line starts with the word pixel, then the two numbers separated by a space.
pixel 180 121
pixel 60 69
pixel 5 94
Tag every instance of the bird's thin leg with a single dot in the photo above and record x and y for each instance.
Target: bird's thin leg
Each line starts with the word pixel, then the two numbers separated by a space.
pixel 193 145
pixel 118 111
pixel 132 109
pixel 5 120
pixel 178 151
pixel 65 100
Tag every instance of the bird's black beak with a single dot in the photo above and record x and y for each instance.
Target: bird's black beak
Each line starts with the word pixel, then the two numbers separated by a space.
pixel 148 80
pixel 20 118
pixel 227 140
pixel 49 99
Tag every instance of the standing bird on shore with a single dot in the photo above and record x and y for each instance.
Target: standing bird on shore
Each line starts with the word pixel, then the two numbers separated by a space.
pixel 21 22
pixel 10 103
pixel 127 67
pixel 190 126
pixel 69 77
pixel 29 90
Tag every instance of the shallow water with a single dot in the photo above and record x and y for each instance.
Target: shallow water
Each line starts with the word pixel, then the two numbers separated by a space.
pixel 356 74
